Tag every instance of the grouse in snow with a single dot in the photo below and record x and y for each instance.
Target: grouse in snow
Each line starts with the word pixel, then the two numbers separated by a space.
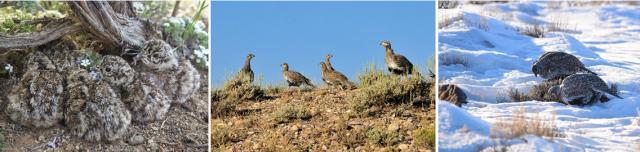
pixel 294 78
pixel 557 65
pixel 334 78
pixel 396 63
pixel 246 73
pixel 582 89
pixel 453 94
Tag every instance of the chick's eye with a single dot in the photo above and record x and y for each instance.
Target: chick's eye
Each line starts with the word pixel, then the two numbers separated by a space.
pixel 107 69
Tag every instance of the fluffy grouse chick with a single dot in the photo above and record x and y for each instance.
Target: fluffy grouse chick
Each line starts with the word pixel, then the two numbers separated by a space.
pixel 36 101
pixel 116 71
pixel 38 60
pixel 147 102
pixel 185 83
pixel 94 111
pixel 158 55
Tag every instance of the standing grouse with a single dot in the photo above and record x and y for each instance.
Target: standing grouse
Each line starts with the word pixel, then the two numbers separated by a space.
pixel 294 78
pixel 334 78
pixel 396 63
pixel 246 73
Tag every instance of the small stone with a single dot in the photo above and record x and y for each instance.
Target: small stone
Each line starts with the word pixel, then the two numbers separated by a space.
pixel 40 138
pixel 403 147
pixel 136 140
pixel 294 128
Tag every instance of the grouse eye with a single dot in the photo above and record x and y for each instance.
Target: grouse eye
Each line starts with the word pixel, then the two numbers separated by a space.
pixel 156 55
pixel 107 69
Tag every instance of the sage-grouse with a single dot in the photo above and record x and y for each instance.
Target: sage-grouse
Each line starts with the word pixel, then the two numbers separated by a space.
pixel 396 63
pixel 159 56
pixel 93 111
pixel 36 101
pixel 335 78
pixel 146 101
pixel 582 89
pixel 452 94
pixel 557 65
pixel 294 78
pixel 116 71
pixel 328 60
pixel 246 73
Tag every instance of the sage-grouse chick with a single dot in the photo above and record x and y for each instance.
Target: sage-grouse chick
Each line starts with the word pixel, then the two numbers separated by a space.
pixel 557 65
pixel 396 63
pixel 294 78
pixel 38 60
pixel 452 94
pixel 246 73
pixel 184 83
pixel 158 55
pixel 116 71
pixel 93 110
pixel 328 60
pixel 335 78
pixel 582 89
pixel 36 101
pixel 146 101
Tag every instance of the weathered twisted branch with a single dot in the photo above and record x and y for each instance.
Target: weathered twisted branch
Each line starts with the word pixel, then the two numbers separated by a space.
pixel 115 24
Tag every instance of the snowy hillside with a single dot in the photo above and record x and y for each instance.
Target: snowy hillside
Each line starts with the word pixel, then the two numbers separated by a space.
pixel 483 51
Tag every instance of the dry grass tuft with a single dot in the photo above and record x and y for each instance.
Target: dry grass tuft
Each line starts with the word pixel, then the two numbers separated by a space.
pixel 383 137
pixel 378 89
pixel 448 20
pixel 453 60
pixel 520 125
pixel 425 136
pixel 536 31
pixel 221 134
pixel 239 89
pixel 539 92
pixel 517 96
pixel 289 113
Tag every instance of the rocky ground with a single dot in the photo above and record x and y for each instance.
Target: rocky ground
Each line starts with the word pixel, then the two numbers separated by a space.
pixel 328 124
pixel 181 130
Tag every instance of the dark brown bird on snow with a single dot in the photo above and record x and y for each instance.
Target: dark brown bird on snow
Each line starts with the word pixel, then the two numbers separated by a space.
pixel 335 78
pixel 294 78
pixel 328 61
pixel 396 63
pixel 452 94
pixel 246 73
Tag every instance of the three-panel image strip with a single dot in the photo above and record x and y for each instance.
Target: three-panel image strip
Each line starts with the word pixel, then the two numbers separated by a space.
pixel 281 76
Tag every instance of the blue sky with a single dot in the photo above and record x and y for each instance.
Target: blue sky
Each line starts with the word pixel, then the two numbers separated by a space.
pixel 301 33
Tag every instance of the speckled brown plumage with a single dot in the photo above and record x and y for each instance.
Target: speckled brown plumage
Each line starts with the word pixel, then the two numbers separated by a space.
pixel 557 65
pixel 452 94
pixel 36 101
pixel 328 62
pixel 582 89
pixel 335 78
pixel 294 78
pixel 396 63
pixel 246 73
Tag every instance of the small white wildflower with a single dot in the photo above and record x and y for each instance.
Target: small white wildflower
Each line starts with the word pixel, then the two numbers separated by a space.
pixel 9 68
pixel 85 62
pixel 94 75
pixel 166 24
pixel 199 26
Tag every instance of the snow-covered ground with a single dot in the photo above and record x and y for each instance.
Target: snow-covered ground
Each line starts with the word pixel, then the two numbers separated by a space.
pixel 606 38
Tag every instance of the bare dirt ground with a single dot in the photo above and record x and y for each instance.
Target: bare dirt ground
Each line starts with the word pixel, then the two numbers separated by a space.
pixel 181 130
pixel 332 125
